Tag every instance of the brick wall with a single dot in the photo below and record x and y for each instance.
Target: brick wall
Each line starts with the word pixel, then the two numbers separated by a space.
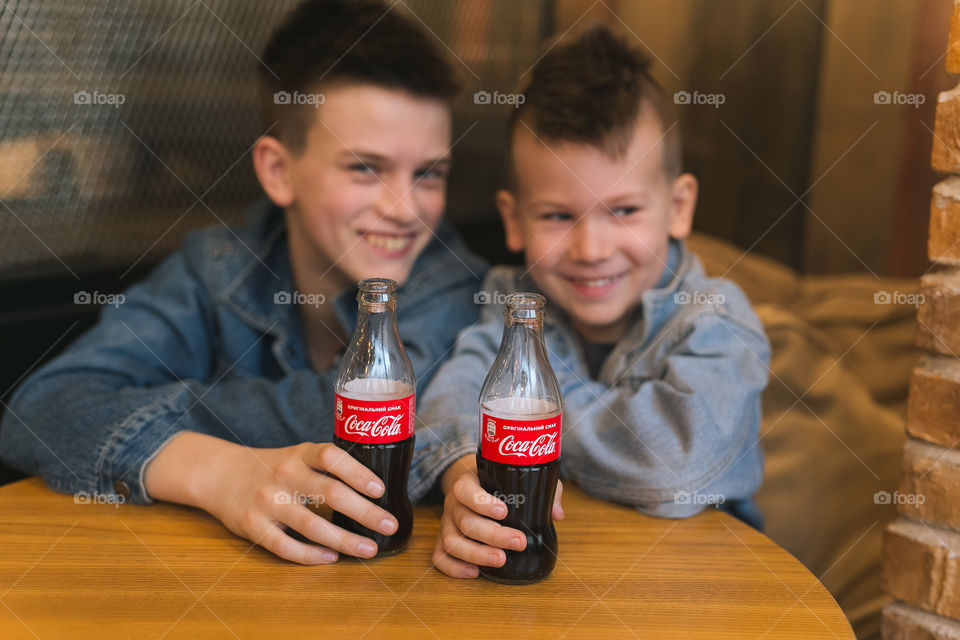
pixel 921 563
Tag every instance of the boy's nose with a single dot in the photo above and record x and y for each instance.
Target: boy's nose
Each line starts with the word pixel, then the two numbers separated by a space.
pixel 589 242
pixel 397 201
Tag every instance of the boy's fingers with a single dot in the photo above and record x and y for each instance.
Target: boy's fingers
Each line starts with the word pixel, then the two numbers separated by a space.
pixel 342 498
pixel 484 530
pixel 450 565
pixel 557 507
pixel 468 492
pixel 333 460
pixel 462 548
pixel 325 532
pixel 269 536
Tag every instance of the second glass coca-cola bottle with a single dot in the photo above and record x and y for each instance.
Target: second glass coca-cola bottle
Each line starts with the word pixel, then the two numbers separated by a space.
pixel 375 405
pixel 518 458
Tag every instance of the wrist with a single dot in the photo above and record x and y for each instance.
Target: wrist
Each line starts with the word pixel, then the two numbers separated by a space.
pixel 186 469
pixel 466 464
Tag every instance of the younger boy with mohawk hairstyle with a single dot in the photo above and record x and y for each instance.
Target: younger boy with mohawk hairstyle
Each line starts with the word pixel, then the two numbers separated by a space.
pixel 661 367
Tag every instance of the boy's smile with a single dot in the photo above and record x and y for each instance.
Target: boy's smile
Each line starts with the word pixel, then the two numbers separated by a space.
pixel 596 286
pixel 389 245
pixel 595 230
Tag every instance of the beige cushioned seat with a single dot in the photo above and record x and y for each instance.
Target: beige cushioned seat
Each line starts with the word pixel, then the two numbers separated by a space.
pixel 849 358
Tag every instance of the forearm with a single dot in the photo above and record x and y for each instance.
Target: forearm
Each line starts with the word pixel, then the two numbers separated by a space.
pixel 645 438
pixel 86 432
pixel 447 412
pixel 645 446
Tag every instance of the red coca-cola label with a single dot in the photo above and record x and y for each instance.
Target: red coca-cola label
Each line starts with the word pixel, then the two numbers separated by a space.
pixel 374 421
pixel 519 442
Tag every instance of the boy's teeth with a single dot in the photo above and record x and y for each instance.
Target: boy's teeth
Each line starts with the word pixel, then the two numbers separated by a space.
pixel 388 243
pixel 595 282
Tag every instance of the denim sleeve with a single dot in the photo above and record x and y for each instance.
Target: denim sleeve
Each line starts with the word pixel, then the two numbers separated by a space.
pixel 693 428
pixel 98 413
pixel 449 407
pixel 443 438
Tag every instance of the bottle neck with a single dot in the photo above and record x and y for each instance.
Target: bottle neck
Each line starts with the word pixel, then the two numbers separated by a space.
pixel 523 328
pixel 523 340
pixel 377 357
pixel 376 362
pixel 377 323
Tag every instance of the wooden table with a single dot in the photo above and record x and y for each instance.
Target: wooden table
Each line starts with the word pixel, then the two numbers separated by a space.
pixel 99 571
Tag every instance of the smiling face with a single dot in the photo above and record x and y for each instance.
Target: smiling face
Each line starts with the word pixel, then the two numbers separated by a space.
pixel 594 229
pixel 366 193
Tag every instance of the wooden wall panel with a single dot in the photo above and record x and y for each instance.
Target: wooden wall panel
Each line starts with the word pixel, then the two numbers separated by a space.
pixel 868 51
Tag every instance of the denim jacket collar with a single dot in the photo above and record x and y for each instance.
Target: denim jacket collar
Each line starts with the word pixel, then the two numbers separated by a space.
pixel 658 302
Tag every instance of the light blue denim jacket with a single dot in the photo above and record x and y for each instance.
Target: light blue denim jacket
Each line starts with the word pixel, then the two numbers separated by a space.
pixel 670 424
pixel 201 345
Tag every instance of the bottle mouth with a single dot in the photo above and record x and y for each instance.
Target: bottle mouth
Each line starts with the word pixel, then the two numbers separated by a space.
pixel 524 306
pixel 377 291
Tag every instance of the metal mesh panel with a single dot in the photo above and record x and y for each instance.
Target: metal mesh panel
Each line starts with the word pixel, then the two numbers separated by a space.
pixel 117 117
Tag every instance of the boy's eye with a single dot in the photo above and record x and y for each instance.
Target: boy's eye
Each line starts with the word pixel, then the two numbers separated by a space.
pixel 432 173
pixel 362 167
pixel 555 216
pixel 622 212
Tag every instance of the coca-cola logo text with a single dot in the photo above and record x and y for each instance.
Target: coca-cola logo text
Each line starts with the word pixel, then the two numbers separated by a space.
pixel 544 445
pixel 520 441
pixel 384 426
pixel 374 421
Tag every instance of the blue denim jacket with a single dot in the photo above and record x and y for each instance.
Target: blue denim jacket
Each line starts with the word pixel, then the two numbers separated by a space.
pixel 670 424
pixel 201 345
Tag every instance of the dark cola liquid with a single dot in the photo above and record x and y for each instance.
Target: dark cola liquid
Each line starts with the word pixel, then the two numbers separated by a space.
pixel 528 492
pixel 391 463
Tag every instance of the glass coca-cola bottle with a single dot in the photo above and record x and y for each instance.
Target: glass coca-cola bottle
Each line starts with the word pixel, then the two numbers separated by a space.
pixel 518 458
pixel 374 408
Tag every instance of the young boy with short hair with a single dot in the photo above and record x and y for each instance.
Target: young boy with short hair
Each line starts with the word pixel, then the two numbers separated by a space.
pixel 211 385
pixel 661 368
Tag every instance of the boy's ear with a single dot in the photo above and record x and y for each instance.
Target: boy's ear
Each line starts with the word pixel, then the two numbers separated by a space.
pixel 682 205
pixel 510 215
pixel 271 162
